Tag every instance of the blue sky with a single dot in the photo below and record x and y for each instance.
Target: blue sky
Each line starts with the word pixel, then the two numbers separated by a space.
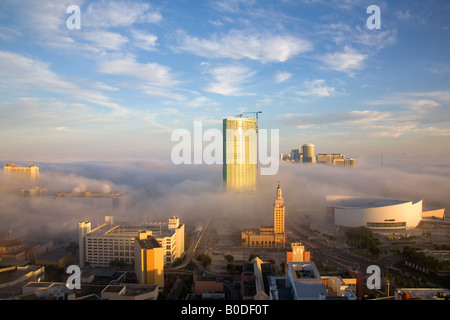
pixel 137 70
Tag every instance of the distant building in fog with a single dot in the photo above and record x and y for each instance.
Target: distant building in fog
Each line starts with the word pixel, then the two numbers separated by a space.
pixel 35 191
pixel 306 154
pixel 32 171
pixel 97 200
pixel 15 249
pixel 329 158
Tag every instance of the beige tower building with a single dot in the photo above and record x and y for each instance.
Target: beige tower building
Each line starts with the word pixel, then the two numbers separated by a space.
pixel 278 218
pixel 268 236
pixel 240 149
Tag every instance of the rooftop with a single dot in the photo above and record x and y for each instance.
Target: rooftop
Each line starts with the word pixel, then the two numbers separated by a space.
pixel 149 243
pixel 357 202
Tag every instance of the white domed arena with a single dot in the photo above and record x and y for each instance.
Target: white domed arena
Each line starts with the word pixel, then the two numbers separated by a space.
pixel 374 213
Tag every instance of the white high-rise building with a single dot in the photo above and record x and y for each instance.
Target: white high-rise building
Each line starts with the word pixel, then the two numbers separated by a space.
pixel 113 241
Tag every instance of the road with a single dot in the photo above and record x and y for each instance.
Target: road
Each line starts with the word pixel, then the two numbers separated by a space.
pixel 334 256
pixel 190 256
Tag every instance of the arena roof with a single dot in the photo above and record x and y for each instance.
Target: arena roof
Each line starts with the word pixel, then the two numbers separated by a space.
pixel 363 202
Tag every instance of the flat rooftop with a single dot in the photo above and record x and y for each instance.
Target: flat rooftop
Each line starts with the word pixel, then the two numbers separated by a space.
pixel 356 202
pixel 131 229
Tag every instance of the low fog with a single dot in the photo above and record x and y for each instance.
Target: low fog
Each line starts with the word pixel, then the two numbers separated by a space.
pixel 154 191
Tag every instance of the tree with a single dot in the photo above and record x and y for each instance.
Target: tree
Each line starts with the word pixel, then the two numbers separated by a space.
pixel 229 258
pixel 205 259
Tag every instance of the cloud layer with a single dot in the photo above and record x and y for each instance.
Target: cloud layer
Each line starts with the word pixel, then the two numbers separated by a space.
pixel 156 190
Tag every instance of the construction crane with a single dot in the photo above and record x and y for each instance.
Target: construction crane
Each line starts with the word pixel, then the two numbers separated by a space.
pixel 256 115
pixel 255 112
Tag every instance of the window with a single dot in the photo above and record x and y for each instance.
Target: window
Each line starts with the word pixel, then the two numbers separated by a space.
pixel 386 224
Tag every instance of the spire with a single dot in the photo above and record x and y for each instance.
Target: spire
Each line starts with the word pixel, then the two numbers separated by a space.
pixel 279 191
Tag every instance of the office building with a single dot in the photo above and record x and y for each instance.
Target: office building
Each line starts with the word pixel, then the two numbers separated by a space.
pixel 297 155
pixel 304 282
pixel 98 200
pixel 350 162
pixel 308 153
pixel 328 158
pixel 113 241
pixel 268 236
pixel 149 260
pixel 305 154
pixel 240 154
pixel 35 191
pixel 31 172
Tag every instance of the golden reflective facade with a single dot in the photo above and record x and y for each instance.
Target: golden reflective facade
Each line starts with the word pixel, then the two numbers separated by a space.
pixel 240 149
pixel 32 171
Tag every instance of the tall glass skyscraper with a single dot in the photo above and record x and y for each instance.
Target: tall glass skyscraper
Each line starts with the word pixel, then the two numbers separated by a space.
pixel 240 153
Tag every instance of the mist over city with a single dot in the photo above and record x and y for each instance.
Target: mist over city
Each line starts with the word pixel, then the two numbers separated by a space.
pixel 234 152
pixel 197 191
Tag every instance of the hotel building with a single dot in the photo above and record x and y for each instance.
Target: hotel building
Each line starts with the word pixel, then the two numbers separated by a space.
pixel 32 171
pixel 111 200
pixel 240 149
pixel 112 241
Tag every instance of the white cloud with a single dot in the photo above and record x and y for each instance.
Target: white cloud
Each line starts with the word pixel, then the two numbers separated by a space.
pixel 282 76
pixel 144 40
pixel 201 102
pixel 100 14
pixel 229 80
pixel 106 40
pixel 238 44
pixel 347 61
pixel 152 73
pixel 19 73
pixel 317 88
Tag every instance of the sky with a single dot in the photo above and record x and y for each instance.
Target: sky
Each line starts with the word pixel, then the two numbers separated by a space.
pixel 138 70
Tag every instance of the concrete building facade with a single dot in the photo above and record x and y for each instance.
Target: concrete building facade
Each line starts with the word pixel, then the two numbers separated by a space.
pixel 268 236
pixel 149 260
pixel 115 241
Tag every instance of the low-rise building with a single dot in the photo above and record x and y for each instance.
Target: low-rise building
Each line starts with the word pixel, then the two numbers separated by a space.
pixel 422 294
pixel 130 292
pixel 304 282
